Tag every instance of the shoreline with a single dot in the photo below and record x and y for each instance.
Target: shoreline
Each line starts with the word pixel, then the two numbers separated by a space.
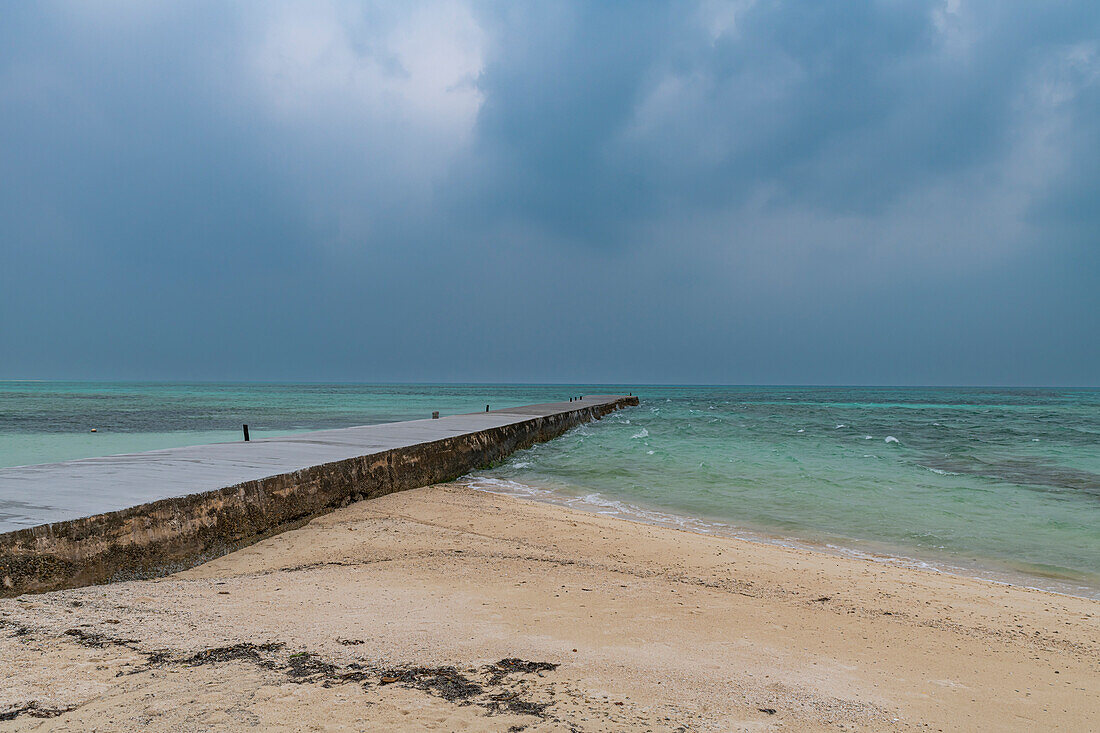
pixel 981 570
pixel 446 608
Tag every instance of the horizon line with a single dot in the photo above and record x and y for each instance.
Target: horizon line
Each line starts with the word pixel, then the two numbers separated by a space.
pixel 806 385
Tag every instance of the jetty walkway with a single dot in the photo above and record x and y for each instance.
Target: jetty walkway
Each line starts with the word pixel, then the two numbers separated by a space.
pixel 144 514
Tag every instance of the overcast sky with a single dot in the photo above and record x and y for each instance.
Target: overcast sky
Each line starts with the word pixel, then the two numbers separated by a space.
pixel 747 192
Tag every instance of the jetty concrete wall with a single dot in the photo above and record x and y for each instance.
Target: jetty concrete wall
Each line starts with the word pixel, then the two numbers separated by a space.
pixel 177 532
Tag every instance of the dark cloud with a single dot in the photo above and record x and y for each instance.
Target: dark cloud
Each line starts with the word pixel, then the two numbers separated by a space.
pixel 743 192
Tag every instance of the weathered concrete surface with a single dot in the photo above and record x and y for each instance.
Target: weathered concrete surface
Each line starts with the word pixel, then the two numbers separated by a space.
pixel 203 501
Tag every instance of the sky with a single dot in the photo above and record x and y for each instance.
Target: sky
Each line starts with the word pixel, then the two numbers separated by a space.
pixel 791 192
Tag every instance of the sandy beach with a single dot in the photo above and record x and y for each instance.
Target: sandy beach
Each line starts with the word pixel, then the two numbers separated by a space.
pixel 445 608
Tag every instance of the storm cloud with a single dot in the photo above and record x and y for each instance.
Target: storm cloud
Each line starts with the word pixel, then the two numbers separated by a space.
pixel 743 192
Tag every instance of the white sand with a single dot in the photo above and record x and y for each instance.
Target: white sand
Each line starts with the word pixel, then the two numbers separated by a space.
pixel 652 629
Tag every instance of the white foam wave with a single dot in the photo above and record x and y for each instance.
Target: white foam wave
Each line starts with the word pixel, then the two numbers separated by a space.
pixel 891 439
pixel 505 486
pixel 900 560
pixel 868 437
pixel 841 425
pixel 801 430
pixel 941 472
pixel 598 504
pixel 641 434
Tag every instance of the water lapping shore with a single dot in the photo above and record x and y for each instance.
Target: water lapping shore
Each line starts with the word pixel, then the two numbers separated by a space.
pixel 1002 483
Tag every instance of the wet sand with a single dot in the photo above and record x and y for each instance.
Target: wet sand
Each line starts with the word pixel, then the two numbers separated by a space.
pixel 445 608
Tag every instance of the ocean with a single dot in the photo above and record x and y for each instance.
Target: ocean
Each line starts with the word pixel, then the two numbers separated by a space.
pixel 998 483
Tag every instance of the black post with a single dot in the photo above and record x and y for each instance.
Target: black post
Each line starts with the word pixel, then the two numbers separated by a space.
pixel 486 408
pixel 246 433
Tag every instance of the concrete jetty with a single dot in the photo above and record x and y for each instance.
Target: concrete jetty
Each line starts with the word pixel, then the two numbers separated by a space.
pixel 146 514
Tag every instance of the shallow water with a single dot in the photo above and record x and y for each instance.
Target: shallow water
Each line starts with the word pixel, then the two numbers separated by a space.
pixel 1002 483
pixel 1005 482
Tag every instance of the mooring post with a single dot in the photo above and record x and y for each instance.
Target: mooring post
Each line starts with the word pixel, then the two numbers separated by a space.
pixel 435 415
pixel 486 408
pixel 246 433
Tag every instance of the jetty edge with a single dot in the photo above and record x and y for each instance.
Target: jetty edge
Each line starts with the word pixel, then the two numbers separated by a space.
pixel 203 521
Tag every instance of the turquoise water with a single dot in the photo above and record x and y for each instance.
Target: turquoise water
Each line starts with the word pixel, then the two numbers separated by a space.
pixel 998 482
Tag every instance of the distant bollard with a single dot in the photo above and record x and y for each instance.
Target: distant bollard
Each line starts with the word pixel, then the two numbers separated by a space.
pixel 435 415
pixel 486 408
pixel 246 433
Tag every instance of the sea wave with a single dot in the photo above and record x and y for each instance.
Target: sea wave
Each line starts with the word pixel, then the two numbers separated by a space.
pixel 597 503
pixel 942 472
